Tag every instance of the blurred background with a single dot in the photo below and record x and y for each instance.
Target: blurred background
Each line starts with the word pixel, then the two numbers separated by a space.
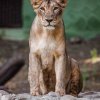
pixel 82 27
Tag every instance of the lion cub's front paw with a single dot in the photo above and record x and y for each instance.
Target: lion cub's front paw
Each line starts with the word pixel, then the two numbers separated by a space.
pixel 35 93
pixel 61 92
pixel 44 91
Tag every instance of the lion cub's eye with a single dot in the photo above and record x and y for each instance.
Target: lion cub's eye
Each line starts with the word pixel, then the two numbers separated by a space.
pixel 42 9
pixel 56 8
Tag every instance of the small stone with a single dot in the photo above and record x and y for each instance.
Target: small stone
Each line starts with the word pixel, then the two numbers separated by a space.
pixel 24 96
pixel 5 97
pixel 2 92
pixel 53 94
pixel 82 99
pixel 68 97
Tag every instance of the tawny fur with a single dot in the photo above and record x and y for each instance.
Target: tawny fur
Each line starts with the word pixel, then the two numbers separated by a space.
pixel 50 68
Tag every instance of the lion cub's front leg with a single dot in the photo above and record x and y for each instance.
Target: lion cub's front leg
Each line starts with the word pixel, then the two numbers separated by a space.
pixel 60 69
pixel 35 76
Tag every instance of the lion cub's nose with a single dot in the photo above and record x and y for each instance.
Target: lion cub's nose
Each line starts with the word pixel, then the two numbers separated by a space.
pixel 49 20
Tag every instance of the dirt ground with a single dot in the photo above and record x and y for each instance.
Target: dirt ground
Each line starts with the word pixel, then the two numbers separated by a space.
pixel 87 53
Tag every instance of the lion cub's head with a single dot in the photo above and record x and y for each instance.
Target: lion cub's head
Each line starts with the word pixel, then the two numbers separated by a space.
pixel 49 11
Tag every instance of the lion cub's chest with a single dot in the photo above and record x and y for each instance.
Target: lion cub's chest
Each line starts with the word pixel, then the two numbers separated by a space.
pixel 47 44
pixel 46 48
pixel 44 44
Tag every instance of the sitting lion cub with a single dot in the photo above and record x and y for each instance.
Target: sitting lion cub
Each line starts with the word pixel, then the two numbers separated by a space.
pixel 50 68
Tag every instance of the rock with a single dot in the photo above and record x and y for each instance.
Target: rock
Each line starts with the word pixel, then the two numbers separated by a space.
pixel 8 97
pixel 68 97
pixel 90 95
pixel 53 94
pixel 24 96
pixel 50 96
pixel 2 92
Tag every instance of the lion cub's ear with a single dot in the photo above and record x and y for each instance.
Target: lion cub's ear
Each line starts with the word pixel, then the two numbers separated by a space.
pixel 36 3
pixel 62 3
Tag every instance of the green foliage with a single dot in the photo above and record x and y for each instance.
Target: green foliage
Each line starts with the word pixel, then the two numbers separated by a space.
pixel 85 72
pixel 14 34
pixel 81 18
pixel 94 53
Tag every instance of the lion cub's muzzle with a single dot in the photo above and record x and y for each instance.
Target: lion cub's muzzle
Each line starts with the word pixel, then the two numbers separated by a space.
pixel 49 22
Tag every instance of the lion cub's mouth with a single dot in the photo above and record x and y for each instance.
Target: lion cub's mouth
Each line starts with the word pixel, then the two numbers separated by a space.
pixel 50 26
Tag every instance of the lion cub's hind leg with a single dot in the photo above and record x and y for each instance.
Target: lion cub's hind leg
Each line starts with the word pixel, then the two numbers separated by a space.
pixel 76 79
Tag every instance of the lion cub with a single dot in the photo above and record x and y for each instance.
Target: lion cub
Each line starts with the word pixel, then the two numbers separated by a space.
pixel 50 68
